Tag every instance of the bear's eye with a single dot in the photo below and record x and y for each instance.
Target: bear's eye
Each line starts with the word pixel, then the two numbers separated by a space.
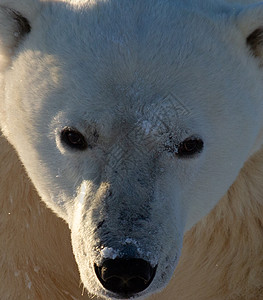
pixel 73 138
pixel 190 147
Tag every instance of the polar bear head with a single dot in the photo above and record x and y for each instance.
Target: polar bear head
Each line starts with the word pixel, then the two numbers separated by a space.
pixel 132 118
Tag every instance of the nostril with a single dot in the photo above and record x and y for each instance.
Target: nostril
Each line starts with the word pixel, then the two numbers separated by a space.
pixel 125 276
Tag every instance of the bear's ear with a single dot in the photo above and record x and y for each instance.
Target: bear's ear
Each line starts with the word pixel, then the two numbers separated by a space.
pixel 250 22
pixel 15 24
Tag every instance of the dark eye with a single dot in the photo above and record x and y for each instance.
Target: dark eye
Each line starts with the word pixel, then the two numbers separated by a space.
pixel 73 138
pixel 190 146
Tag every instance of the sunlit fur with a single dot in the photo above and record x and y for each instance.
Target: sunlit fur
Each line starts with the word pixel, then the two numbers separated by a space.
pixel 35 247
pixel 220 84
pixel 222 255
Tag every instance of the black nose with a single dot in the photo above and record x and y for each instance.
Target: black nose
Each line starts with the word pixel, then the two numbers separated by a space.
pixel 125 276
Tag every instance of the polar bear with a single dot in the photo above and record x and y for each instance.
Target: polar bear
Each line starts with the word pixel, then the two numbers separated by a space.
pixel 133 119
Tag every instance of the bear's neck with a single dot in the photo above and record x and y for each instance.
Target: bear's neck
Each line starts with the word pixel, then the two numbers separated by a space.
pixel 222 255
pixel 35 247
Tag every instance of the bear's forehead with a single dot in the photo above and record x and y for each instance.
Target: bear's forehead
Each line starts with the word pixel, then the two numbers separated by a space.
pixel 117 42
pixel 136 51
pixel 136 29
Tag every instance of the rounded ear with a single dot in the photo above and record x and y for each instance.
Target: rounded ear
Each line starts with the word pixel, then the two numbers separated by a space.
pixel 15 23
pixel 250 22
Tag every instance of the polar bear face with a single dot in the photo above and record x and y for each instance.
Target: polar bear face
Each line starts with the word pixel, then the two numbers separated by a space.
pixel 132 119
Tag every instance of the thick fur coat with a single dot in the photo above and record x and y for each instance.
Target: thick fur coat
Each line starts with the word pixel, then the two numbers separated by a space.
pixel 138 123
pixel 222 256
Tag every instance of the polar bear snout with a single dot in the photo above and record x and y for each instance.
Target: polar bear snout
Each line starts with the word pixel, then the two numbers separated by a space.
pixel 125 277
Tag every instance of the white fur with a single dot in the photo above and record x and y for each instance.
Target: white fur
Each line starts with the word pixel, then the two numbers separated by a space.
pixel 142 74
